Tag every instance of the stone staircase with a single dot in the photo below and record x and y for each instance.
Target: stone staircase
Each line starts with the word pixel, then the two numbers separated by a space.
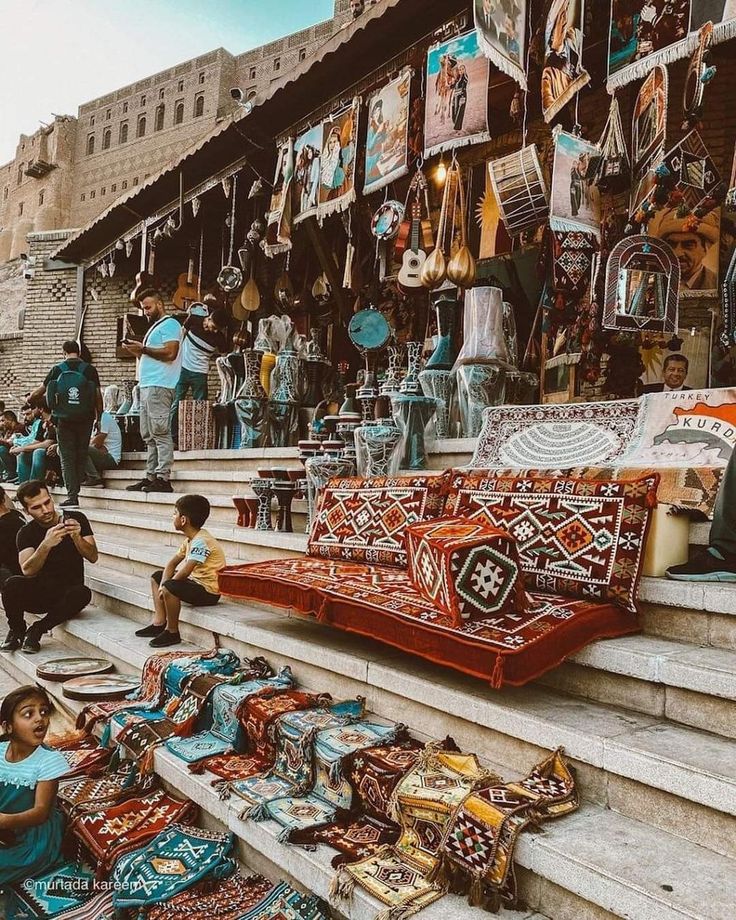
pixel 649 720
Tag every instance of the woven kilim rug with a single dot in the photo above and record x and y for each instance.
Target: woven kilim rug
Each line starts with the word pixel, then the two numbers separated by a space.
pixel 285 903
pixel 381 602
pixel 375 772
pixel 423 805
pixel 110 832
pixel 293 771
pixel 83 753
pixel 109 789
pixel 478 846
pixel 52 894
pixel 226 900
pixel 181 669
pixel 353 835
pixel 140 738
pixel 176 859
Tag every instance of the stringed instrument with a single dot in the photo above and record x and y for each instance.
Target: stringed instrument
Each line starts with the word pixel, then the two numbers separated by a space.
pixel 187 291
pixel 414 256
pixel 145 279
pixel 283 291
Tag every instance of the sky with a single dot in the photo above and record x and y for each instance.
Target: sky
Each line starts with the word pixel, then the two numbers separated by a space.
pixel 57 54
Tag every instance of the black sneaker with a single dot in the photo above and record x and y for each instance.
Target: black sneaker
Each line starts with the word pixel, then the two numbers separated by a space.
pixel 32 641
pixel 153 630
pixel 140 486
pixel 159 485
pixel 70 503
pixel 13 641
pixel 164 639
pixel 708 566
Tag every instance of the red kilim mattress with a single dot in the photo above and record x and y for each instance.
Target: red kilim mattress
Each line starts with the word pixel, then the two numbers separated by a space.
pixel 381 602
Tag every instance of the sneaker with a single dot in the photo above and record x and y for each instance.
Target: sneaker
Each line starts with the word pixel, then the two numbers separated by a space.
pixel 71 503
pixel 153 630
pixel 13 641
pixel 159 485
pixel 140 486
pixel 708 566
pixel 164 639
pixel 32 641
pixel 93 484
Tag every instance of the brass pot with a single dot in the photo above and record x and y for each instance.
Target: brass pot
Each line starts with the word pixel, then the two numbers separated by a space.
pixel 434 270
pixel 461 268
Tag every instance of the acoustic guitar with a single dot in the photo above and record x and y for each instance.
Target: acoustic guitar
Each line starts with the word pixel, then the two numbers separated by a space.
pixel 145 279
pixel 414 257
pixel 187 291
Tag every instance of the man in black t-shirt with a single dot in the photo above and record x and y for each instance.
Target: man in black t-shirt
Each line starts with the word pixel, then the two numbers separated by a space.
pixel 51 552
pixel 11 522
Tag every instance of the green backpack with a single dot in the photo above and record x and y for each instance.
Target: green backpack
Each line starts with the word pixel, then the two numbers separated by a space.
pixel 71 395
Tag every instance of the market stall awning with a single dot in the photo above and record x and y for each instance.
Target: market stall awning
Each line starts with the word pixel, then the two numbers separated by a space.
pixel 360 47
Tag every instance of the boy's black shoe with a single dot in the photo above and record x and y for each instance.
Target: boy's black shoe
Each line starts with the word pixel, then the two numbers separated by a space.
pixel 13 641
pixel 32 641
pixel 159 485
pixel 140 486
pixel 708 566
pixel 164 639
pixel 152 630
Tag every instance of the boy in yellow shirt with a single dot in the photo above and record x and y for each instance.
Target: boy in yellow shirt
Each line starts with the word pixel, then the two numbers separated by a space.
pixel 189 576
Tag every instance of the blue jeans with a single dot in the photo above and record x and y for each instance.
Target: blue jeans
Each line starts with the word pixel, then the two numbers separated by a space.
pixel 193 380
pixel 32 464
pixel 8 462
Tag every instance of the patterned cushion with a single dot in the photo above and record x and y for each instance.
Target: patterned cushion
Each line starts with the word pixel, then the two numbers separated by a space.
pixel 196 425
pixel 365 520
pixel 575 537
pixel 467 568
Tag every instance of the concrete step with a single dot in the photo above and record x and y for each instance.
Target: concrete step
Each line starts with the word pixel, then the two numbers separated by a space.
pixel 638 764
pixel 594 864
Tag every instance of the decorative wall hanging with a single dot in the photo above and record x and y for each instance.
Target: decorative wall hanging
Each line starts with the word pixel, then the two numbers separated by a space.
pixel 278 229
pixel 654 35
pixel 501 31
pixel 305 186
pixel 698 74
pixel 456 111
pixel 614 169
pixel 691 346
pixel 648 128
pixel 486 231
pixel 642 285
pixel 57 669
pixel 337 164
pixel 696 245
pixel 563 73
pixel 386 151
pixel 575 200
pixel 519 188
pixel 691 177
pixel 721 14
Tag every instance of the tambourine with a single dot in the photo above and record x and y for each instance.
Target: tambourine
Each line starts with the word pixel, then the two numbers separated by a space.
pixel 369 330
pixel 230 278
pixel 387 220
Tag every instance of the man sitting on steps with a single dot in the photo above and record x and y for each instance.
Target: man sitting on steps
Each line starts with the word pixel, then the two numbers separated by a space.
pixel 52 549
pixel 189 576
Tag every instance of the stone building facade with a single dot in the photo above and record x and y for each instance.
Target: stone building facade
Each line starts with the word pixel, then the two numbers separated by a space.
pixel 65 174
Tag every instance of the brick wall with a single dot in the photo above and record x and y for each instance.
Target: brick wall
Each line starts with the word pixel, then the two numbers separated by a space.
pixel 11 363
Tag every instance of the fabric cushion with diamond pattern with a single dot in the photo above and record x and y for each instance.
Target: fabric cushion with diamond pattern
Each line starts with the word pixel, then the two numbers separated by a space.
pixel 365 520
pixel 575 537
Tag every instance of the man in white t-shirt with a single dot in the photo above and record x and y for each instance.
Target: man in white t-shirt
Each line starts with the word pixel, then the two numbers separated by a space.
pixel 158 373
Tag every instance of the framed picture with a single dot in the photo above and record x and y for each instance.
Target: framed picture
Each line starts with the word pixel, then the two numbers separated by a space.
pixel 386 148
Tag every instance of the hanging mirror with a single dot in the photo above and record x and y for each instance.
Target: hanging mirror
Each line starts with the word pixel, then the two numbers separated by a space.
pixel 642 286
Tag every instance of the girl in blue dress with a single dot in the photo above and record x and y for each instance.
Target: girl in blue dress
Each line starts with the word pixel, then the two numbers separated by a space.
pixel 31 826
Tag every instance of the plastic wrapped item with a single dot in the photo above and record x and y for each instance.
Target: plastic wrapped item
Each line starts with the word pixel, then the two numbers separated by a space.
pixel 483 328
pixel 414 415
pixel 379 447
pixel 479 386
pixel 440 386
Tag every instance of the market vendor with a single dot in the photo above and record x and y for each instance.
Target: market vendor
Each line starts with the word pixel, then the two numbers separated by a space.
pixel 31 826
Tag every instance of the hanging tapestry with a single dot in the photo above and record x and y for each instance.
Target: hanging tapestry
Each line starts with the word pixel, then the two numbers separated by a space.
pixel 722 13
pixel 696 245
pixel 55 894
pixel 178 858
pixel 365 519
pixel 226 700
pixel 229 900
pixel 501 30
pixel 573 538
pixel 478 847
pixel 563 73
pixel 278 218
pixel 518 185
pixel 386 150
pixel 131 824
pixel 456 108
pixel 469 570
pixel 575 200
pixel 487 233
pixel 648 131
pixel 572 265
pixel 614 169
pixel 645 34
pixel 424 803
pixel 286 903
pixel 305 193
pixel 337 163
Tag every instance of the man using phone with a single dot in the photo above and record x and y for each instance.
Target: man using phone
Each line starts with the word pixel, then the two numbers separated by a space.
pixel 52 551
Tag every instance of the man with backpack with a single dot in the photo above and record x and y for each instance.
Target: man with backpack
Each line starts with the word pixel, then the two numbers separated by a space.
pixel 75 400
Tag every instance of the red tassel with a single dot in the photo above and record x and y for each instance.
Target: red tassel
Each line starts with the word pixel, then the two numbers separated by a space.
pixel 497 676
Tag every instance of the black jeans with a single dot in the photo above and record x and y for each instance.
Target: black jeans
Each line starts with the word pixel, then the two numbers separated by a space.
pixel 36 594
pixel 187 590
pixel 73 437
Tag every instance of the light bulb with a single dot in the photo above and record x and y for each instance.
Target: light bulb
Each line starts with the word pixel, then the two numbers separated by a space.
pixel 441 173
